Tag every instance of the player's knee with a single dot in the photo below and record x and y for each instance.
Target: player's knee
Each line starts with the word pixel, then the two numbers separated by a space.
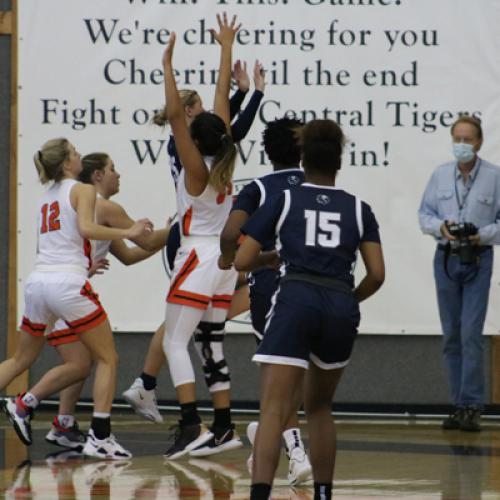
pixel 208 341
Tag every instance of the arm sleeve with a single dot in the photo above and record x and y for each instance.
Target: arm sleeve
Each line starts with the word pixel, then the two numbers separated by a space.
pixel 240 128
pixel 370 224
pixel 490 234
pixel 235 103
pixel 430 222
pixel 262 225
pixel 248 199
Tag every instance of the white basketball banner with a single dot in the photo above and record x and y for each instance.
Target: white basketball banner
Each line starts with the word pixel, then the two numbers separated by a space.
pixel 394 73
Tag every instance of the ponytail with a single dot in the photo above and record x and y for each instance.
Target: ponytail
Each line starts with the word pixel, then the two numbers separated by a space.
pixel 50 159
pixel 223 165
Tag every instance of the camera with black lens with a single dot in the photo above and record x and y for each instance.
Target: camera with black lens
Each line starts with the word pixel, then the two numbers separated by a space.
pixel 463 246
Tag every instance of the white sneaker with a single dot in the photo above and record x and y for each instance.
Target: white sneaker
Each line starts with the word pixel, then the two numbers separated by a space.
pixel 22 425
pixel 251 432
pixel 142 401
pixel 108 448
pixel 299 467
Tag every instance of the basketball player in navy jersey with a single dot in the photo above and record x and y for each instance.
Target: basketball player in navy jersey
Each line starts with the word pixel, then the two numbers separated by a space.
pixel 314 315
pixel 282 149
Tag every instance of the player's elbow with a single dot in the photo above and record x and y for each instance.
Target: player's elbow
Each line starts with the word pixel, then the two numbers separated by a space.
pixel 85 230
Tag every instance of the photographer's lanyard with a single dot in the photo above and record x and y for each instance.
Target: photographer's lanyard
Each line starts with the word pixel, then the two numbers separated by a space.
pixel 461 204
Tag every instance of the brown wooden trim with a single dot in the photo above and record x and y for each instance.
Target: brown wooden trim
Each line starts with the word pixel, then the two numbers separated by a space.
pixel 6 22
pixel 495 369
pixel 21 382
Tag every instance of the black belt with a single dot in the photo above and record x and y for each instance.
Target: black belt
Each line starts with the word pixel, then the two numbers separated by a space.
pixel 313 279
pixel 480 249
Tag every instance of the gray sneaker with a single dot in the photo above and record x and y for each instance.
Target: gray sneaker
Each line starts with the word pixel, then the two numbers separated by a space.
pixel 67 437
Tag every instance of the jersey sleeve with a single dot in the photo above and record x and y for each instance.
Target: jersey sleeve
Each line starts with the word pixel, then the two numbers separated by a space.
pixel 262 225
pixel 370 224
pixel 248 199
pixel 240 128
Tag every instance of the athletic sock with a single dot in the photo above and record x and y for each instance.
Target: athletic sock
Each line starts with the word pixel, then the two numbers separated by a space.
pixel 292 438
pixel 260 491
pixel 25 403
pixel 148 381
pixel 66 421
pixel 30 400
pixel 222 418
pixel 322 491
pixel 101 425
pixel 189 414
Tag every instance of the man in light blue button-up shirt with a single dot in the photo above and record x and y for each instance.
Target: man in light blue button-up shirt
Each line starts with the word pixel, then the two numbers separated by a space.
pixel 464 190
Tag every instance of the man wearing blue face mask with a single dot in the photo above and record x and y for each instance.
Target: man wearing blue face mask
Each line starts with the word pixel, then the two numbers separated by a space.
pixel 461 209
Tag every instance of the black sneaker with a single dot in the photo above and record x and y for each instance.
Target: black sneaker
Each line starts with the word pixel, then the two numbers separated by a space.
pixel 185 438
pixel 454 420
pixel 222 440
pixel 471 420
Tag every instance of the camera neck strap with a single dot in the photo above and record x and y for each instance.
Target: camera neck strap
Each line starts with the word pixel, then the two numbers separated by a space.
pixel 461 203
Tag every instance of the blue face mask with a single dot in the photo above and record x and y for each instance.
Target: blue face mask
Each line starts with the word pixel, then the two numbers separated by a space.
pixel 463 152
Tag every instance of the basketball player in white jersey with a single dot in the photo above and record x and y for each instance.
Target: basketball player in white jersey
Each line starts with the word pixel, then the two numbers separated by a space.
pixel 200 293
pixel 99 170
pixel 58 288
pixel 141 394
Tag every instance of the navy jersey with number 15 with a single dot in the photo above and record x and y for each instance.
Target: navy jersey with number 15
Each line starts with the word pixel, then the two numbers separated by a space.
pixel 318 229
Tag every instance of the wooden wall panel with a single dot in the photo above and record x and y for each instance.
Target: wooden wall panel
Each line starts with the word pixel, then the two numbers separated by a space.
pixel 20 383
pixel 6 22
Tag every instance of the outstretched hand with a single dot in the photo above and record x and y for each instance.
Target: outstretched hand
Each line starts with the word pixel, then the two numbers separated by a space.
pixel 227 31
pixel 169 51
pixel 259 76
pixel 240 75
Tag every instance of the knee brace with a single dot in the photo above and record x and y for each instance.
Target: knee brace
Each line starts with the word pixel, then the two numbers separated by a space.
pixel 208 339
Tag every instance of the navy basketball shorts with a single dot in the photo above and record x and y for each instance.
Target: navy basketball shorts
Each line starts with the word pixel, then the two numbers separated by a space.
pixel 262 287
pixel 309 323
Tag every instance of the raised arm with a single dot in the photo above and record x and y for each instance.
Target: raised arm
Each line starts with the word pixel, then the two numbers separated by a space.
pixel 225 38
pixel 240 75
pixel 242 125
pixel 195 169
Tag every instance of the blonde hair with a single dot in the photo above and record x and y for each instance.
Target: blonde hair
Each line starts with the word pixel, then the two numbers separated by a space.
pixel 188 98
pixel 50 159
pixel 223 165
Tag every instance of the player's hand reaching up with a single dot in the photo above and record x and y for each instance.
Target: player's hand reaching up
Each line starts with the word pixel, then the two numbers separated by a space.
pixel 227 31
pixel 169 51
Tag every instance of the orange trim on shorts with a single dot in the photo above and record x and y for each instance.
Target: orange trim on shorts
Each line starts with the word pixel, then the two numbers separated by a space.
pixel 64 336
pixel 35 329
pixel 88 322
pixel 185 298
pixel 87 291
pixel 186 221
pixel 222 301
